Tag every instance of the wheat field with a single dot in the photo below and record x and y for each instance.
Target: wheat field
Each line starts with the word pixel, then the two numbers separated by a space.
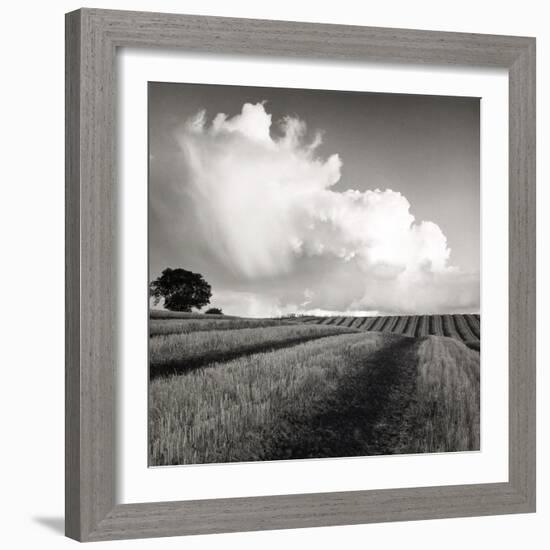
pixel 276 389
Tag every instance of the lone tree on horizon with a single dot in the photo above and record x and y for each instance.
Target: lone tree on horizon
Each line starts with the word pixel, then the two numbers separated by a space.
pixel 180 289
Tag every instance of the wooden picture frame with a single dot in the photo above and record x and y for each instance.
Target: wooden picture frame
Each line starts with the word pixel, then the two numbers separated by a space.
pixel 92 39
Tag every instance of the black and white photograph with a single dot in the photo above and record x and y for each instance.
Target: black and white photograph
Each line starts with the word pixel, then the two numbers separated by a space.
pixel 266 238
pixel 314 274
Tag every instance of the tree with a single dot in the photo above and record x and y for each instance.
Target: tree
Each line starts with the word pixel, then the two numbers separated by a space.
pixel 214 311
pixel 181 290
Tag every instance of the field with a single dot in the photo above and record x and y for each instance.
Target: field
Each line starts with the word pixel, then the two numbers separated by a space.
pixel 226 389
pixel 465 328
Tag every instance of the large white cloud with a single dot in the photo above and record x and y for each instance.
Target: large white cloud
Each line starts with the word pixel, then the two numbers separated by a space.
pixel 265 202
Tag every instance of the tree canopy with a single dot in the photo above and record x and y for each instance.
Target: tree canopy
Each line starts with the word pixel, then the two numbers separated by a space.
pixel 180 289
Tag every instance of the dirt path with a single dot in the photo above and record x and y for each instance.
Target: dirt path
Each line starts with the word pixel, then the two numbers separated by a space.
pixel 366 415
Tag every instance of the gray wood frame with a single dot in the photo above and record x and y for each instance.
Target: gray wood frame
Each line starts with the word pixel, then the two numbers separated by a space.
pixel 92 38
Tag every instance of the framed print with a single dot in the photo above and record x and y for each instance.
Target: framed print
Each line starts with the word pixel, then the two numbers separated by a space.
pixel 300 275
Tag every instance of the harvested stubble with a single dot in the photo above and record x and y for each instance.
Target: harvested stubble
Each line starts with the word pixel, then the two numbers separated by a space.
pixel 231 411
pixel 178 352
pixel 158 327
pixel 342 395
pixel 445 415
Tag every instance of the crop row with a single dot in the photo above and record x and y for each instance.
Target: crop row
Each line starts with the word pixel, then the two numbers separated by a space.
pixel 180 352
pixel 463 327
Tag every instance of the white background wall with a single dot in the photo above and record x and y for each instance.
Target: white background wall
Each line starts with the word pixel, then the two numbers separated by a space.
pixel 31 319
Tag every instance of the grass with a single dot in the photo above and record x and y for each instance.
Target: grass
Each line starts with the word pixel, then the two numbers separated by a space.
pixel 227 389
pixel 401 325
pixel 473 344
pixel 462 327
pixel 177 326
pixel 173 353
pixel 436 325
pixel 473 322
pixel 445 414
pixel 342 395
pixel 237 410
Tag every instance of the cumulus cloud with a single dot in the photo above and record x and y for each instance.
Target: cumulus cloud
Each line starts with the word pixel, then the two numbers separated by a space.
pixel 265 201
